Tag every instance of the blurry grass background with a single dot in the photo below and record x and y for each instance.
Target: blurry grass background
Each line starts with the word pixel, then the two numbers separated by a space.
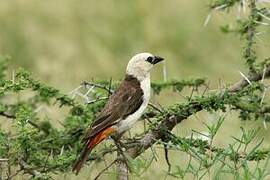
pixel 64 42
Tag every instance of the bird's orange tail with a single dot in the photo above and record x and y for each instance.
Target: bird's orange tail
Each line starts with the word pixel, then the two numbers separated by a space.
pixel 89 145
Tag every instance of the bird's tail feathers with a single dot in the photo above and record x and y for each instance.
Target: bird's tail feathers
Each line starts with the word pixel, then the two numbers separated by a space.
pixel 81 160
pixel 89 145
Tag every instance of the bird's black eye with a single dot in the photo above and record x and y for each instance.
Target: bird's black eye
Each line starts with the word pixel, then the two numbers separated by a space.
pixel 150 59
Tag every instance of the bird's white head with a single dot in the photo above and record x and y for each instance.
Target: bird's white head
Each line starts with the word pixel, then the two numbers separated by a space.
pixel 141 64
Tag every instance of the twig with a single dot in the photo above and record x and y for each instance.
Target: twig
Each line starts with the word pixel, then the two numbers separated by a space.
pixel 15 174
pixel 166 153
pixel 25 167
pixel 3 159
pixel 75 90
pixel 105 169
pixel 110 88
pixel 155 107
pixel 97 85
pixel 97 100
pixel 9 116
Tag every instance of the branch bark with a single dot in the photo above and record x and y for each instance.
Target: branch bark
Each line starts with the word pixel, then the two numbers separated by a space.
pixel 122 170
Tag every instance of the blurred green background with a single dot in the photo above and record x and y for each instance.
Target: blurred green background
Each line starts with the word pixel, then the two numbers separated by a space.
pixel 64 42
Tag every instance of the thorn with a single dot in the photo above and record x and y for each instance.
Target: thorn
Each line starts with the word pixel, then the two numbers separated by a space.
pixel 38 109
pixel 262 23
pixel 75 90
pixel 264 71
pixel 62 150
pixel 164 71
pixel 245 77
pixel 264 16
pixel 89 90
pixel 238 15
pixel 221 7
pixel 259 39
pixel 80 94
pixel 263 96
pixel 261 32
pixel 244 4
pixel 85 96
pixel 207 19
pixel 264 125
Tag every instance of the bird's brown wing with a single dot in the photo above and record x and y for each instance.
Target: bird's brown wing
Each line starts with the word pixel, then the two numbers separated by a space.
pixel 126 100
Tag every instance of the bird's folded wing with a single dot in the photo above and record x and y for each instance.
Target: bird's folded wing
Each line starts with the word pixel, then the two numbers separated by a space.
pixel 125 101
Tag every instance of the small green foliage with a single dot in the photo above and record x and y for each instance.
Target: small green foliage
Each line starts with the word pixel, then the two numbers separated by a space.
pixel 23 114
pixel 223 4
pixel 47 92
pixel 177 86
pixel 3 66
pixel 213 129
pixel 46 126
pixel 209 155
pixel 225 29
pixel 3 143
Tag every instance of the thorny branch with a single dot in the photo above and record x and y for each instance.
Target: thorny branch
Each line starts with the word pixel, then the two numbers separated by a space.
pixel 169 123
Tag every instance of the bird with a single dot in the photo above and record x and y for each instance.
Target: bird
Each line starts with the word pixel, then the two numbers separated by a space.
pixel 123 108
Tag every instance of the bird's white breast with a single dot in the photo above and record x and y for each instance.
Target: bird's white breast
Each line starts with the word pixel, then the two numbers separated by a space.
pixel 131 119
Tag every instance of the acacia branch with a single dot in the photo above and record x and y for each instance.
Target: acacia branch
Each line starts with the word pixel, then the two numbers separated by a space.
pixel 167 124
pixel 9 116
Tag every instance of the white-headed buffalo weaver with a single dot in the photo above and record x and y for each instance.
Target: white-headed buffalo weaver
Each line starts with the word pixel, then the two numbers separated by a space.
pixel 124 107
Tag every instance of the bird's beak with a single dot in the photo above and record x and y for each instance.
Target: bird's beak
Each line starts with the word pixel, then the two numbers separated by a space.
pixel 157 59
